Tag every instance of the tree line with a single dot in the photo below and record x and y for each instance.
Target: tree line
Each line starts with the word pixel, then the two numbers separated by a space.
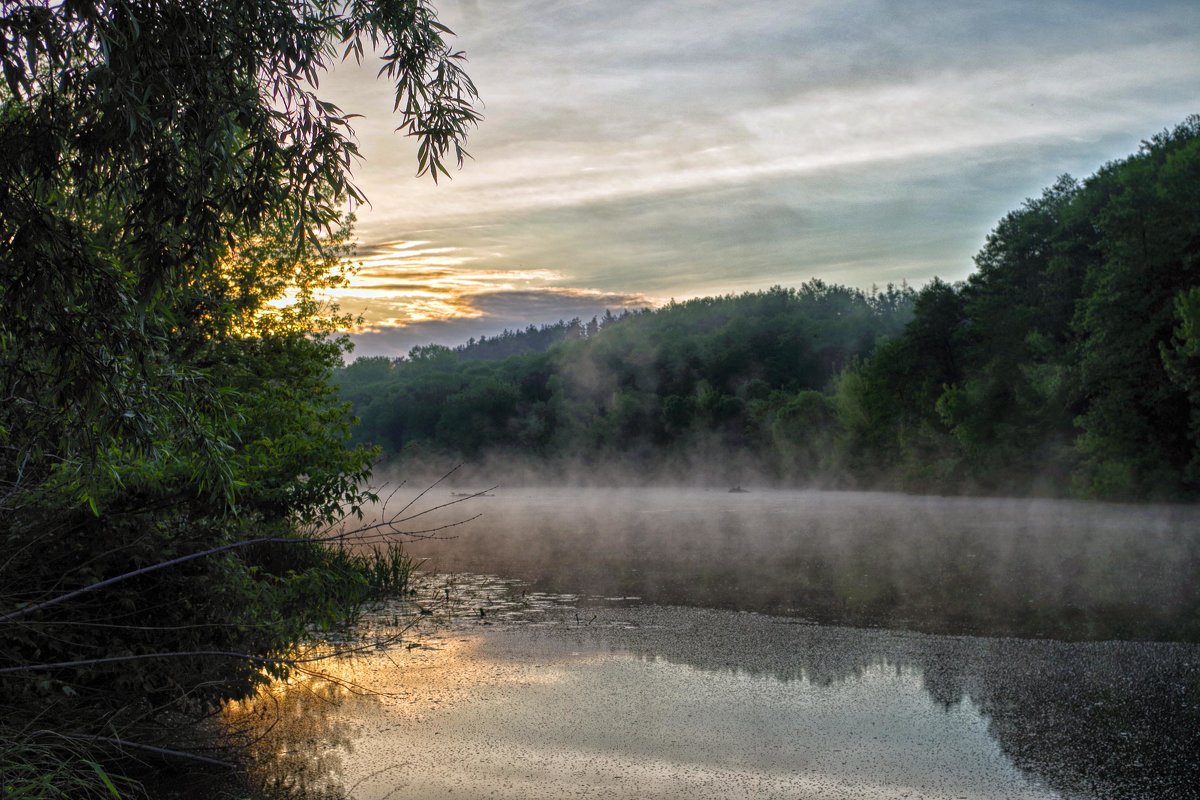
pixel 1068 363
pixel 735 372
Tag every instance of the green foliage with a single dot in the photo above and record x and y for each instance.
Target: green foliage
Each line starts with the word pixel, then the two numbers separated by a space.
pixel 1137 440
pixel 532 339
pixel 49 767
pixel 388 570
pixel 740 371
pixel 1066 362
pixel 799 432
pixel 1011 411
pixel 171 209
pixel 1181 357
pixel 138 163
pixel 291 469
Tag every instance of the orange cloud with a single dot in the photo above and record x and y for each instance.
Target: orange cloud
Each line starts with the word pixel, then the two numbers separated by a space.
pixel 407 282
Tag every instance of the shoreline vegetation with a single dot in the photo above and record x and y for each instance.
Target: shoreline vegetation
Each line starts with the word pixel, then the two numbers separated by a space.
pixel 176 463
pixel 1066 365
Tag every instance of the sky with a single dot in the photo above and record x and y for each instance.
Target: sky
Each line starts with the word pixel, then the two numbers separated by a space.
pixel 638 151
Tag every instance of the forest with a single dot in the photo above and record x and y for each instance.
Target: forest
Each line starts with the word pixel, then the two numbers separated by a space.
pixel 1067 363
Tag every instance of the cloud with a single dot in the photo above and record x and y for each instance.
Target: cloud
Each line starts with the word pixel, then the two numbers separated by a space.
pixel 554 304
pixel 490 314
pixel 407 292
pixel 683 147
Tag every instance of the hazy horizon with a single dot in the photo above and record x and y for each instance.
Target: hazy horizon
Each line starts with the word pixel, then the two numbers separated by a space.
pixel 635 153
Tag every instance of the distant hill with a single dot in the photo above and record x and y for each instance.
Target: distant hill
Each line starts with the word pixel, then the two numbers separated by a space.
pixel 720 369
pixel 533 339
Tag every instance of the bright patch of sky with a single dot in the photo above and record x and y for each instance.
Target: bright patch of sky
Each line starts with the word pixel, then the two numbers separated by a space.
pixel 638 150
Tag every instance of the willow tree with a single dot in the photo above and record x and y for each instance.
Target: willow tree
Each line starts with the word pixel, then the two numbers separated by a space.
pixel 167 171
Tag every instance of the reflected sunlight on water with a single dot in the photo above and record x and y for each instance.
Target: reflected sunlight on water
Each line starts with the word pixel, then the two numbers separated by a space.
pixel 647 702
pixel 568 675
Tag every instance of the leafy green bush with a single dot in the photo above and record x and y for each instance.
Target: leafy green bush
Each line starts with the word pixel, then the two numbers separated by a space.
pixel 173 450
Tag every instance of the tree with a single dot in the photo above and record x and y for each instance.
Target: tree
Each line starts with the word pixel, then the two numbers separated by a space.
pixel 1066 361
pixel 169 173
pixel 1182 360
pixel 145 141
pixel 889 427
pixel 1136 440
pixel 1013 411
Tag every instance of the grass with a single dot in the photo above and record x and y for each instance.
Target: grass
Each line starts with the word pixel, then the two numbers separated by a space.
pixel 388 570
pixel 52 767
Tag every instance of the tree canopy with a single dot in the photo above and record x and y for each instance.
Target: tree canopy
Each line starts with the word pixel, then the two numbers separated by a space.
pixel 172 202
pixel 739 373
pixel 1067 359
pixel 149 142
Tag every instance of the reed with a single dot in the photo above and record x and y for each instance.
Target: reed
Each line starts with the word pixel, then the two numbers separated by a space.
pixel 388 570
pixel 42 765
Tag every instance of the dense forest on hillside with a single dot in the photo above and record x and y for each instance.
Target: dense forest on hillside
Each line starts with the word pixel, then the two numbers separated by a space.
pixel 1068 363
pixel 693 378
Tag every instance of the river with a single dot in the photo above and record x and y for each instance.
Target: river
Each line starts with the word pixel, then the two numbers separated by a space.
pixel 667 642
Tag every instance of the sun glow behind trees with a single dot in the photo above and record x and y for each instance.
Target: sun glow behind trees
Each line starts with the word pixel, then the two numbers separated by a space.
pixel 172 446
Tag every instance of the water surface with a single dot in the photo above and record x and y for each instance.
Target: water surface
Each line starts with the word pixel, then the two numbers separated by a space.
pixel 1034 568
pixel 684 643
pixel 669 702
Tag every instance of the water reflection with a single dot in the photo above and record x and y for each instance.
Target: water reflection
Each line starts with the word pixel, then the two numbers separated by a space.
pixel 1042 568
pixel 1096 719
pixel 293 736
pixel 648 702
pixel 527 692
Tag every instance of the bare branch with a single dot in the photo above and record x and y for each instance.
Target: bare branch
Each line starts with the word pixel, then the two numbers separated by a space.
pixel 62 598
pixel 148 748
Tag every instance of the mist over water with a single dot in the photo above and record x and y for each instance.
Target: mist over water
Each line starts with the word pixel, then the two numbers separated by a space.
pixel 1030 568
pixel 583 641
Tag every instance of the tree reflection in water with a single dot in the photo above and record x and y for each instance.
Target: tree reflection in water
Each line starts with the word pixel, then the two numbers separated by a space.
pixel 1090 719
pixel 1085 720
pixel 293 735
pixel 983 566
